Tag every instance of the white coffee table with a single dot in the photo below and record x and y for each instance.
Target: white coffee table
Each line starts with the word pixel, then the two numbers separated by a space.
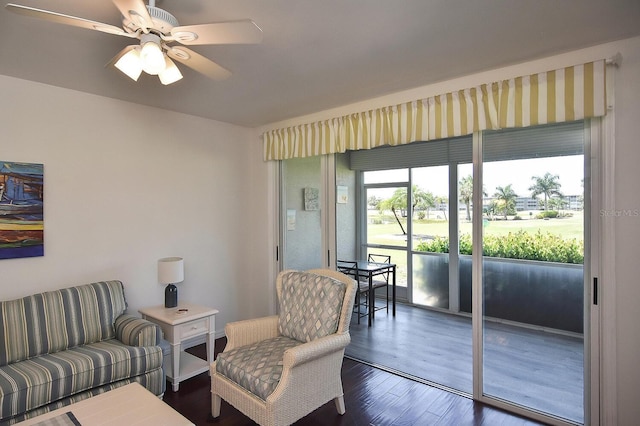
pixel 128 405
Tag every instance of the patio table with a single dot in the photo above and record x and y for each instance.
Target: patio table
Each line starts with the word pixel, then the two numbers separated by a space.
pixel 368 270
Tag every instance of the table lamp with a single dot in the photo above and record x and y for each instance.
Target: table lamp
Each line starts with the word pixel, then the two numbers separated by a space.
pixel 170 272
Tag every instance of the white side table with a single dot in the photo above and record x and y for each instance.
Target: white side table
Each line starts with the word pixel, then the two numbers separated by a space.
pixel 180 324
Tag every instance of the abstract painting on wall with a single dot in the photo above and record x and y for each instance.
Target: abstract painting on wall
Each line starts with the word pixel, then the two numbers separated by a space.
pixel 21 210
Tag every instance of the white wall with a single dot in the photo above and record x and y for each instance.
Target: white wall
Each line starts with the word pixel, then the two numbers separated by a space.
pixel 627 231
pixel 126 185
pixel 626 240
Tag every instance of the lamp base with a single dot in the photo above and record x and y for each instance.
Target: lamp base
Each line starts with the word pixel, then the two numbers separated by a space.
pixel 171 296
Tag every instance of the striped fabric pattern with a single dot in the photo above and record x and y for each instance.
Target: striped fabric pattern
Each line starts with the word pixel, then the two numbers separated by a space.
pixel 566 94
pixel 154 381
pixel 135 331
pixel 57 344
pixel 47 378
pixel 56 320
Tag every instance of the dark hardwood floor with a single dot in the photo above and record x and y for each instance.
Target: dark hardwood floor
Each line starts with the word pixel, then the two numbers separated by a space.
pixel 534 368
pixel 372 397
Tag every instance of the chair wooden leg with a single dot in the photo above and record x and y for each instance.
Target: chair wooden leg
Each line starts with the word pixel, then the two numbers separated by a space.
pixel 216 401
pixel 340 404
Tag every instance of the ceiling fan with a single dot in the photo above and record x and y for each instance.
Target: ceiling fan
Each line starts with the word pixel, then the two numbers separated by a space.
pixel 161 37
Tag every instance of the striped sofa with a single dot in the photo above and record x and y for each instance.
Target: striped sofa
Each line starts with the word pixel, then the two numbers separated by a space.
pixel 67 345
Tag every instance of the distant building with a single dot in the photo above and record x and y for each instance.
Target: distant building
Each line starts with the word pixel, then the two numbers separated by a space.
pixel 573 202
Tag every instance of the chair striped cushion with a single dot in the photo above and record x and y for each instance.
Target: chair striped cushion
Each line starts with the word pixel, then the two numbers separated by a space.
pixel 310 305
pixel 256 367
pixel 56 320
pixel 41 380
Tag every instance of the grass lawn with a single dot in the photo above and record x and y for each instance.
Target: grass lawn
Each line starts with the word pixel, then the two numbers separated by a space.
pixel 384 230
pixel 389 233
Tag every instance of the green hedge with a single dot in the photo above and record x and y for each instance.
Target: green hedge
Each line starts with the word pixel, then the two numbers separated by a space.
pixel 549 214
pixel 520 245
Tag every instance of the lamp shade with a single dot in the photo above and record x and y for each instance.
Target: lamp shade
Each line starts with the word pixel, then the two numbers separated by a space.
pixel 171 73
pixel 170 270
pixel 130 63
pixel 151 54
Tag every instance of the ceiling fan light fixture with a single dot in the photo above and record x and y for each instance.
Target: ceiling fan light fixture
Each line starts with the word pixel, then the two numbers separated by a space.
pixel 130 63
pixel 154 27
pixel 171 73
pixel 151 54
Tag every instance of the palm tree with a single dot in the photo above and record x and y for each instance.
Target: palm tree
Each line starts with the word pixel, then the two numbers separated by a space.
pixel 465 187
pixel 466 193
pixel 398 202
pixel 441 202
pixel 421 199
pixel 506 198
pixel 557 203
pixel 547 185
pixel 373 201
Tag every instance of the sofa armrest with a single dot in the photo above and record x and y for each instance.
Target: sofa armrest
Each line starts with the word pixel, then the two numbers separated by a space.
pixel 135 331
pixel 315 349
pixel 242 333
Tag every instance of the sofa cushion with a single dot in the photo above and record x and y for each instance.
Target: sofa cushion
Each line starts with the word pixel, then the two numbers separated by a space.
pixel 310 305
pixel 41 380
pixel 53 321
pixel 256 367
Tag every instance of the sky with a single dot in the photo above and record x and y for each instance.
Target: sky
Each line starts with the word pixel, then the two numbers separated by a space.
pixel 517 173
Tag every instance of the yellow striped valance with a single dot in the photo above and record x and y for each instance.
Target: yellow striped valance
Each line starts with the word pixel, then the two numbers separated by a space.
pixel 567 94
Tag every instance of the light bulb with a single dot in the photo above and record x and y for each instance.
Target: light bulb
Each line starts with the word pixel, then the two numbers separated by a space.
pixel 151 54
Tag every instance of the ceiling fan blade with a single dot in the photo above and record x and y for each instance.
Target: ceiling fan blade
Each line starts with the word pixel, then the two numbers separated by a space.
pixel 198 62
pixel 135 11
pixel 232 32
pixel 66 19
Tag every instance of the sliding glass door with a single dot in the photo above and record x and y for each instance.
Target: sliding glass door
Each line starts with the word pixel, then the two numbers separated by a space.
pixel 488 233
pixel 533 272
pixel 309 213
pixel 413 215
pixel 301 221
pixel 387 220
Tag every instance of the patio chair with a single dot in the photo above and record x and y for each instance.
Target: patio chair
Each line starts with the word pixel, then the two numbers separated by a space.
pixel 349 267
pixel 278 369
pixel 381 280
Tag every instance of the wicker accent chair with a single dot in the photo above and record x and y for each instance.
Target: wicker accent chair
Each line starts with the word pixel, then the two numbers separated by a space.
pixel 280 368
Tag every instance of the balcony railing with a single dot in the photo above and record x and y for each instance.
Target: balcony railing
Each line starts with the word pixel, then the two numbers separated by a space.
pixel 545 294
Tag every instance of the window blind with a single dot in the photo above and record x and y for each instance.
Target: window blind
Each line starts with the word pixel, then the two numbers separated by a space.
pixel 532 142
pixel 419 154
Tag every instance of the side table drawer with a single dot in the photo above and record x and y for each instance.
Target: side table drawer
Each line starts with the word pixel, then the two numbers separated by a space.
pixel 194 328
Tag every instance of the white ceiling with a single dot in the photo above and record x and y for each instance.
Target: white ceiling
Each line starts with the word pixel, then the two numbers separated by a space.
pixel 316 54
